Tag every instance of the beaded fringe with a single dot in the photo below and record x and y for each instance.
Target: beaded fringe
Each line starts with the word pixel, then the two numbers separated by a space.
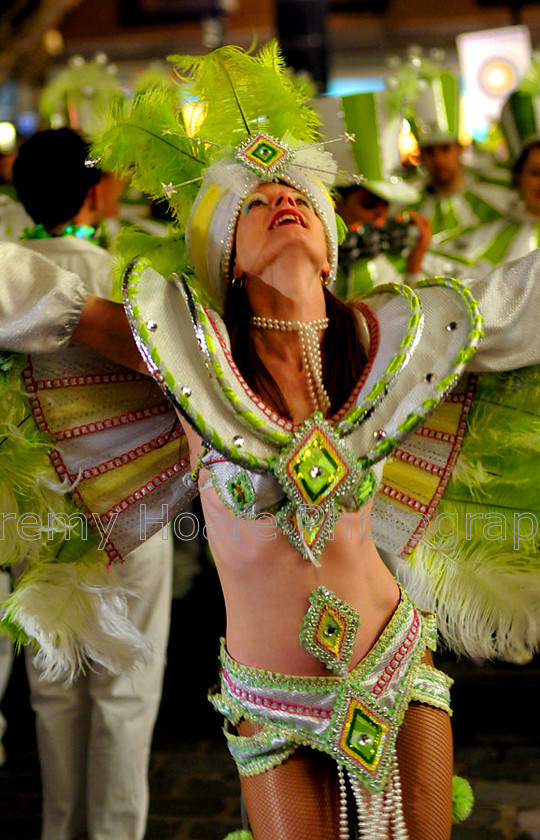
pixel 379 815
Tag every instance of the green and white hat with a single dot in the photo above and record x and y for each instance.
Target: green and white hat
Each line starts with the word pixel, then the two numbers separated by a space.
pixel 428 95
pixel 434 114
pixel 369 155
pixel 520 115
pixel 520 121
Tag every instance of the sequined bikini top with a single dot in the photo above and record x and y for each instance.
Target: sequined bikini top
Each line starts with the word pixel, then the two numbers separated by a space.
pixel 418 342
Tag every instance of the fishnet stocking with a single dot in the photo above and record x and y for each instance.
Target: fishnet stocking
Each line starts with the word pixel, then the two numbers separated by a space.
pixel 424 751
pixel 299 799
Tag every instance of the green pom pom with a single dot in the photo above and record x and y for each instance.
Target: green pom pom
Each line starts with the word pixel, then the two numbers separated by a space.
pixel 239 835
pixel 462 799
pixel 342 229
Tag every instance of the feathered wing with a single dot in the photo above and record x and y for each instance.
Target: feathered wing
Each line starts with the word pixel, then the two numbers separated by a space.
pixel 477 562
pixel 114 445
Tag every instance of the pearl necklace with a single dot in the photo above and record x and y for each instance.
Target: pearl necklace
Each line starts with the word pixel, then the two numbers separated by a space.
pixel 308 333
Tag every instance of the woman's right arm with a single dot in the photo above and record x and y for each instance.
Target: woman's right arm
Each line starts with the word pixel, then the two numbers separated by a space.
pixel 103 327
pixel 43 308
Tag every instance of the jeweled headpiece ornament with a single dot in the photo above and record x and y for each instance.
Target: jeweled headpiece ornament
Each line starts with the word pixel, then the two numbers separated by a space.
pixel 237 119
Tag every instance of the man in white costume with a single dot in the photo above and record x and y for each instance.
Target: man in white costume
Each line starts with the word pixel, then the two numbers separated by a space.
pixel 94 736
pixel 452 195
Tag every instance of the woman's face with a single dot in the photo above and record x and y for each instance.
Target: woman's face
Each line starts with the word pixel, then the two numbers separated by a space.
pixel 277 220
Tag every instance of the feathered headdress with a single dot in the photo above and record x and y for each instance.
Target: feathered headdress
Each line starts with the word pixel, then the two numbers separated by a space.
pixel 236 120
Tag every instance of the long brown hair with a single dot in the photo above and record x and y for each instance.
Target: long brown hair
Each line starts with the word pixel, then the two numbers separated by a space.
pixel 343 354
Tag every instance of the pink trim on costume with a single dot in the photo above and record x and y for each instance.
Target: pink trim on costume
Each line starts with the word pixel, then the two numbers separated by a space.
pixel 111 422
pixel 61 469
pixel 131 455
pixel 142 492
pixel 399 656
pixel 88 379
pixel 374 339
pixel 417 461
pixel 33 386
pixel 277 705
pixel 466 399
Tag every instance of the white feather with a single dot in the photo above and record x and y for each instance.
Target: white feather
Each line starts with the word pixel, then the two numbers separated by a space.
pixel 77 615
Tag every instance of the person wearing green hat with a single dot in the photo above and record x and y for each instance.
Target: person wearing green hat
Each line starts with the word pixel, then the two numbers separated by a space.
pixel 473 252
pixel 452 196
pixel 382 245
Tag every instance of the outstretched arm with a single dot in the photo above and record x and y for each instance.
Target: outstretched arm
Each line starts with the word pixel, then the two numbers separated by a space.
pixel 103 327
pixel 509 300
pixel 43 307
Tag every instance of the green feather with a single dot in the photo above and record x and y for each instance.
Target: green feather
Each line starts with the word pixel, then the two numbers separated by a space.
pixel 462 799
pixel 247 94
pixel 239 835
pixel 145 139
pixel 484 582
pixel 165 254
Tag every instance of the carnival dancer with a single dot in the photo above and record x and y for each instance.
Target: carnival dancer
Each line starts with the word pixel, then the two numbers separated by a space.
pixel 453 195
pixel 336 716
pixel 473 252
pixel 93 735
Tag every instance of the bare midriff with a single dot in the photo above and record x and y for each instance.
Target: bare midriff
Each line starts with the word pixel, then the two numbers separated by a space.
pixel 266 583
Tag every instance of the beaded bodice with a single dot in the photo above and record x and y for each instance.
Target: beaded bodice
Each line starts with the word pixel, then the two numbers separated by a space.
pixel 418 342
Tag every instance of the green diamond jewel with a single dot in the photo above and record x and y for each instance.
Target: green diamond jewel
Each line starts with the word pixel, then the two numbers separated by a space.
pixel 264 154
pixel 241 489
pixel 329 628
pixel 317 468
pixel 363 736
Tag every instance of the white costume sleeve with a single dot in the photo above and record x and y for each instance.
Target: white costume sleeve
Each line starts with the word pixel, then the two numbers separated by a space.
pixel 40 304
pixel 509 300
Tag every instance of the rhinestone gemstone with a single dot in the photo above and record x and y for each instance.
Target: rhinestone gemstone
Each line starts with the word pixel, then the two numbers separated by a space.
pixel 186 390
pixel 241 489
pixel 238 441
pixel 452 326
pixel 331 631
pixel 317 468
pixel 151 325
pixel 264 150
pixel 431 377
pixel 363 736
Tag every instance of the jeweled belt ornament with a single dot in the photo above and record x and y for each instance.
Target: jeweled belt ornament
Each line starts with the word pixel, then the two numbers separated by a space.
pixel 329 629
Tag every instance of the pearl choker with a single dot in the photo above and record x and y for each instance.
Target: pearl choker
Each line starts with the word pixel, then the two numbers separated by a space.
pixel 308 333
